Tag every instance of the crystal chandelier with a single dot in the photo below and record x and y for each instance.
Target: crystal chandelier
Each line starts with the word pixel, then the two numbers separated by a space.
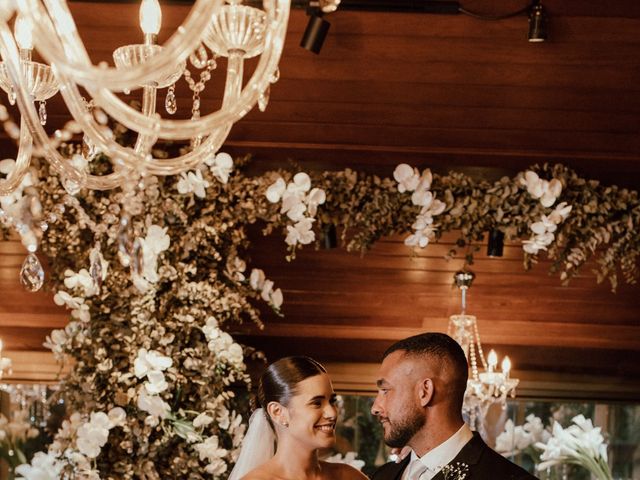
pixel 212 29
pixel 489 386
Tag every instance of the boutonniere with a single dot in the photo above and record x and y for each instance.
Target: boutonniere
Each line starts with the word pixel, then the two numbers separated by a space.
pixel 455 471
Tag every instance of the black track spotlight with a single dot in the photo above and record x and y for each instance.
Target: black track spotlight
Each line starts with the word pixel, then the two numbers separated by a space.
pixel 495 246
pixel 537 23
pixel 315 33
pixel 329 236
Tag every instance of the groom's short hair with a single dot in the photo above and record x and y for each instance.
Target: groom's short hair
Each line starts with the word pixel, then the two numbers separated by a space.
pixel 441 347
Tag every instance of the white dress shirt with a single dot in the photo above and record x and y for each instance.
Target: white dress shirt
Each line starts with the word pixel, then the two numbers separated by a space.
pixel 434 460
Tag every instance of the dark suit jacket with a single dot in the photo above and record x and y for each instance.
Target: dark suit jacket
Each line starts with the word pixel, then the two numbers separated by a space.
pixel 484 464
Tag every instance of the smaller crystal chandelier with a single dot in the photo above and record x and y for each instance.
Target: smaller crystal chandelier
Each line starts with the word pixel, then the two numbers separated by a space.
pixel 5 363
pixel 490 386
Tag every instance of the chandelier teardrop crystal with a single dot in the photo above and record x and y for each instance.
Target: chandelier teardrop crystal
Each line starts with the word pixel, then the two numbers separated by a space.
pixel 92 92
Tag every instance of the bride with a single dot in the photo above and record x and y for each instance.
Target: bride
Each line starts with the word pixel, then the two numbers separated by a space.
pixel 297 414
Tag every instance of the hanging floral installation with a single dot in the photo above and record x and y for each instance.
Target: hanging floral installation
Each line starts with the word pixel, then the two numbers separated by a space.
pixel 156 274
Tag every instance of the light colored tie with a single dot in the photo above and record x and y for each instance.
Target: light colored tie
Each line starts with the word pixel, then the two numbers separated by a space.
pixel 416 469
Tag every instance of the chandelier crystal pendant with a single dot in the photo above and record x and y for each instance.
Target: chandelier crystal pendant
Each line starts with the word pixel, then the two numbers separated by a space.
pixel 486 386
pixel 229 29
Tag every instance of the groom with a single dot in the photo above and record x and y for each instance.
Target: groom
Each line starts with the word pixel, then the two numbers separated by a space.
pixel 419 404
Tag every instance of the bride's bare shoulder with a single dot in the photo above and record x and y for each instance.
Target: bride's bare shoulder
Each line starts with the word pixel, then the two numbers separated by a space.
pixel 342 471
pixel 261 473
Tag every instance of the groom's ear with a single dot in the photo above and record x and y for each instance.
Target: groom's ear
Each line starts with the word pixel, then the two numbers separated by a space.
pixel 425 392
pixel 278 413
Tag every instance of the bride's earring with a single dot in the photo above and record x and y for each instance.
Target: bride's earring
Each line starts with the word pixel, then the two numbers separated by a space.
pixel 285 424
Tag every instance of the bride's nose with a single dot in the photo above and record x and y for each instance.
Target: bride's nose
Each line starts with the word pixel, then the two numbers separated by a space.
pixel 330 412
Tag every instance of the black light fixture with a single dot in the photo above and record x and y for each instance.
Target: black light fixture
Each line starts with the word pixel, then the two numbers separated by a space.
pixel 537 23
pixel 329 236
pixel 495 245
pixel 316 32
pixel 317 27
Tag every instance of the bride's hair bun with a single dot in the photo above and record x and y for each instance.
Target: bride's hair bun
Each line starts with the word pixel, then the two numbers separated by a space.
pixel 278 383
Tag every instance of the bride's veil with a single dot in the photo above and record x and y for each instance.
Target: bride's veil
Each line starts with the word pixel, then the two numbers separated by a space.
pixel 258 445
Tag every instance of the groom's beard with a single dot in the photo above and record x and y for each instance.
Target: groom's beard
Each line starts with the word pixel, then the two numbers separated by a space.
pixel 402 431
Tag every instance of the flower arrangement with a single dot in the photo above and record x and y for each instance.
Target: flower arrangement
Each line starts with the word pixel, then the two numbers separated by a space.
pixel 155 279
pixel 579 444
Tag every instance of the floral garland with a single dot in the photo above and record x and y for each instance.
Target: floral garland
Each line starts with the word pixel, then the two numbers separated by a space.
pixel 152 338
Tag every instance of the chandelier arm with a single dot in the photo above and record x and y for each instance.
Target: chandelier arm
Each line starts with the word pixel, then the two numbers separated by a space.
pixel 185 129
pixel 68 54
pixel 9 52
pixel 23 160
pixel 145 142
pixel 128 156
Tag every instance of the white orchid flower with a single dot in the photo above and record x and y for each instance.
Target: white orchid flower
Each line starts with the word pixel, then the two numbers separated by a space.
pixel 422 198
pixel 407 177
pixel 436 207
pixel 296 211
pixel 290 201
pixel 156 382
pixel 211 329
pixel 546 191
pixel 267 288
pixel 117 417
pixel 276 298
pixel 300 185
pixel 560 213
pixel 147 361
pixel 157 240
pixel 552 191
pixel 44 466
pixel 276 190
pixel 82 313
pixel 256 279
pixel 81 279
pixel 63 298
pixel 425 180
pixel 420 238
pixel 193 182
pixel 221 166
pixel 153 404
pixel 202 420
pixel 301 232
pixel 422 222
pixel 210 449
pixel 316 197
pixel 56 341
pixel 91 438
pixel 543 226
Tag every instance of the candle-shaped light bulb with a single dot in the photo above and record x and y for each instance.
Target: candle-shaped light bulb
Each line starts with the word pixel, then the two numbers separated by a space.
pixel 150 17
pixel 23 33
pixel 1 347
pixel 492 360
pixel 506 365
